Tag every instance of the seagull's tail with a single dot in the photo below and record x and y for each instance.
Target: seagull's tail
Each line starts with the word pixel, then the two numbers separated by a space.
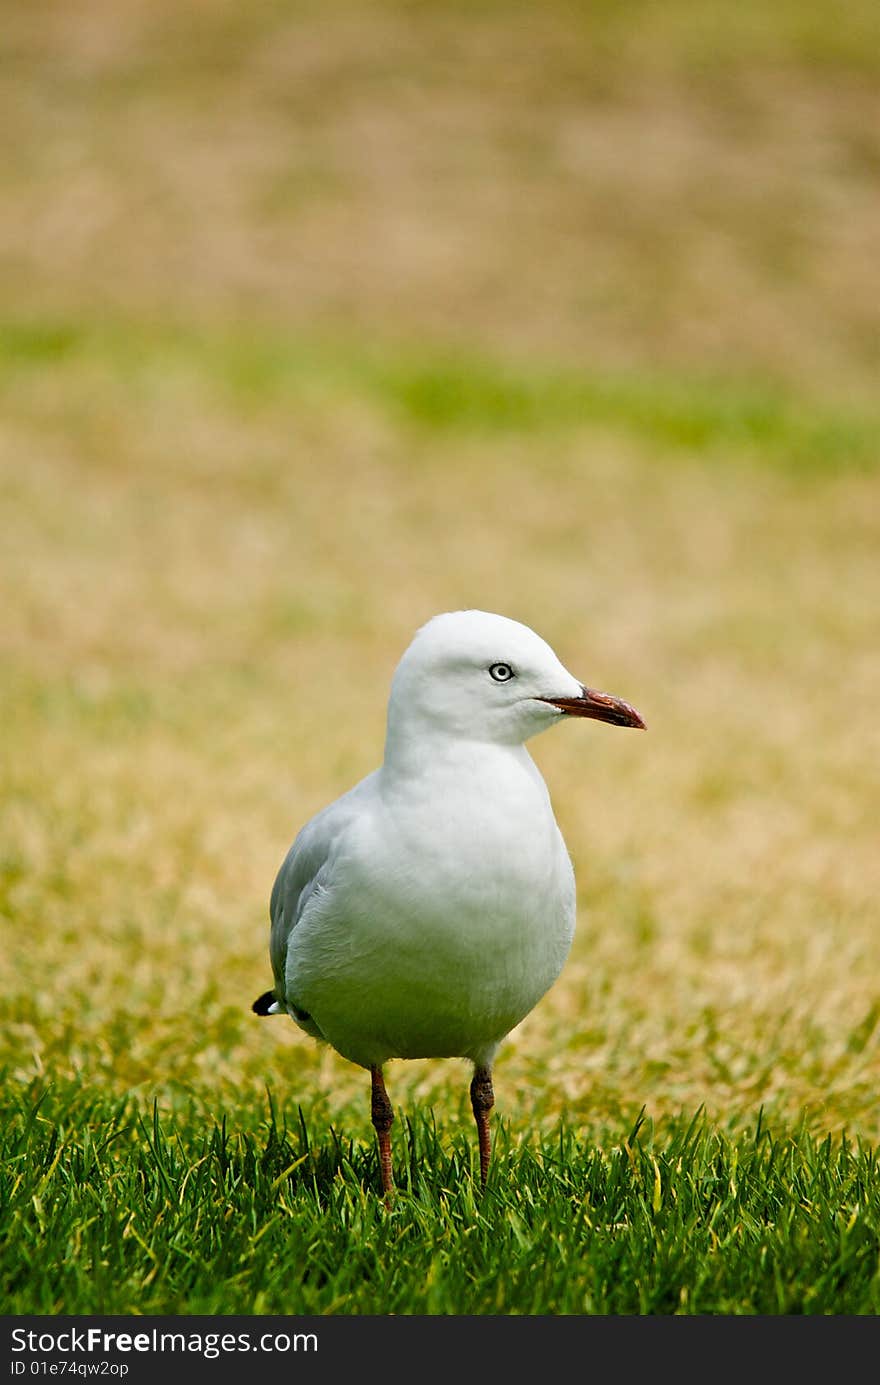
pixel 266 1004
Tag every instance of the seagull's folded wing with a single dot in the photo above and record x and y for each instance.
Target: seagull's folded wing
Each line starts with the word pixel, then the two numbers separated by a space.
pixel 305 870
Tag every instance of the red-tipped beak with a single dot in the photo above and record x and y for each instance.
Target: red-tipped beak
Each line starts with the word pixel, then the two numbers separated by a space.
pixel 600 706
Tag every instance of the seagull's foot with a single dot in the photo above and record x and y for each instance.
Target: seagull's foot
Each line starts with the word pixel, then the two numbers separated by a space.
pixel 482 1101
pixel 382 1113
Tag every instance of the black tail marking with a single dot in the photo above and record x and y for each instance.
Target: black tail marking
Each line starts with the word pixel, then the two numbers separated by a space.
pixel 263 1004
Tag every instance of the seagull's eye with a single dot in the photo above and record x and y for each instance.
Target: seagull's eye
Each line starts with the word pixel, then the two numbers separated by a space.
pixel 502 673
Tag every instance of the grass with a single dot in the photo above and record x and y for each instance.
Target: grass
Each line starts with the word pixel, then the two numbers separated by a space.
pixel 457 392
pixel 320 320
pixel 176 600
pixel 151 1216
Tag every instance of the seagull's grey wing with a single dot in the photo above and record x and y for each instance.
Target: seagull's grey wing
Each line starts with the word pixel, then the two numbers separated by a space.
pixel 304 870
pixel 294 884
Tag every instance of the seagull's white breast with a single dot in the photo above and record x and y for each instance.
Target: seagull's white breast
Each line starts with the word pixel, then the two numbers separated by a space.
pixel 443 910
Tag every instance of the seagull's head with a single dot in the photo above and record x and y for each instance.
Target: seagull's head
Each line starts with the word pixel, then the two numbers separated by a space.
pixel 484 677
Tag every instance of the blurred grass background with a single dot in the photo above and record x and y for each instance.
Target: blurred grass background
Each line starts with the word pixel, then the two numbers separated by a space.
pixel 320 319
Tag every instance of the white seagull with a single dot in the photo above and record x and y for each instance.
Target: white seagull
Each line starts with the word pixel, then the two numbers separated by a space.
pixel 426 911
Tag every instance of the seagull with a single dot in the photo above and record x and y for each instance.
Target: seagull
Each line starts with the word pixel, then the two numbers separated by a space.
pixel 426 912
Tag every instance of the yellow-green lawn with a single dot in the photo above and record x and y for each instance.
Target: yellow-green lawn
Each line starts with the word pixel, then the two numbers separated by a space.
pixel 322 319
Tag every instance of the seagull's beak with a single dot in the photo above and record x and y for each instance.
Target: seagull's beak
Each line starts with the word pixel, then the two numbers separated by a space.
pixel 600 706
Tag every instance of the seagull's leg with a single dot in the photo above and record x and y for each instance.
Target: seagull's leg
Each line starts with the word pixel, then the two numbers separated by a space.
pixel 383 1114
pixel 482 1100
